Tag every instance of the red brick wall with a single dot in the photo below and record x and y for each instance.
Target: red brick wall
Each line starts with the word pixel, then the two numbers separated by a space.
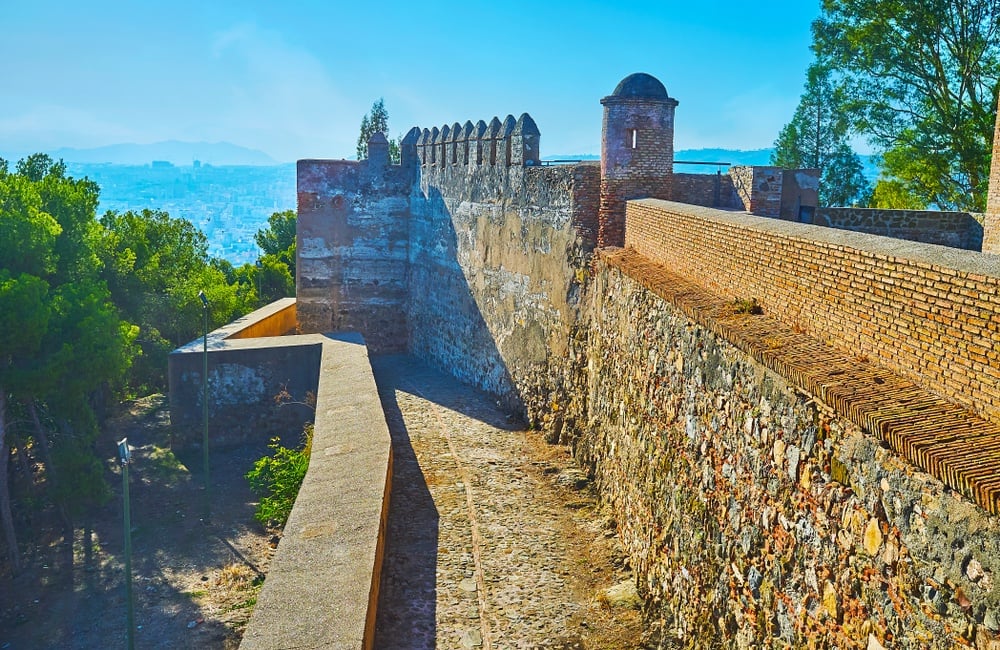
pixel 924 311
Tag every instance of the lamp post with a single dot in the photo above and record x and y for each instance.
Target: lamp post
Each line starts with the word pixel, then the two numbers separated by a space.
pixel 204 403
pixel 259 267
pixel 126 457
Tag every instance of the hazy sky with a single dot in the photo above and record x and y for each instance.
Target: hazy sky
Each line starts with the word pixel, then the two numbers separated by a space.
pixel 294 78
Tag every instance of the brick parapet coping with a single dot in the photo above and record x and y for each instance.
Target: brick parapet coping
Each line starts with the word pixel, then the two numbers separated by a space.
pixel 951 444
pixel 929 313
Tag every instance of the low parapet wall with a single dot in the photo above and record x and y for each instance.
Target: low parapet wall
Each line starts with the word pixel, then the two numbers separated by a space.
pixel 322 587
pixel 955 229
pixel 244 376
pixel 925 311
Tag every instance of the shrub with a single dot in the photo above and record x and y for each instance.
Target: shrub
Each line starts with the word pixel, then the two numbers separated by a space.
pixel 276 479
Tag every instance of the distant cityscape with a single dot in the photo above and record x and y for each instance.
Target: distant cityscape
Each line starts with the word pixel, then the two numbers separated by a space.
pixel 229 203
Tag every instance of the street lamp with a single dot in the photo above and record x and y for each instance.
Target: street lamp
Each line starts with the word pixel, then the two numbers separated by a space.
pixel 204 402
pixel 259 267
pixel 126 457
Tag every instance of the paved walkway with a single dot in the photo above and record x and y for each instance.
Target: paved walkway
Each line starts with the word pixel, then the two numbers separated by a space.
pixel 491 543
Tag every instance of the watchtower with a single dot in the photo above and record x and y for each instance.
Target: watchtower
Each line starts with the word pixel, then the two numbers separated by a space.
pixel 637 150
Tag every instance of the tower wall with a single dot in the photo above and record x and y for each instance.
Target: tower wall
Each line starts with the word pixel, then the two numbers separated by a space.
pixel 991 224
pixel 637 151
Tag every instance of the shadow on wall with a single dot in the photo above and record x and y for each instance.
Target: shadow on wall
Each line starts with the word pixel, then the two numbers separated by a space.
pixel 447 326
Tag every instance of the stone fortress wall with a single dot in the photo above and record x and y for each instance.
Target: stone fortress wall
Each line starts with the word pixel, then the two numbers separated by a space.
pixel 828 467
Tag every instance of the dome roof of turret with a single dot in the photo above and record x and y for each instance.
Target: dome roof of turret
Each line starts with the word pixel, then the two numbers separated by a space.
pixel 640 86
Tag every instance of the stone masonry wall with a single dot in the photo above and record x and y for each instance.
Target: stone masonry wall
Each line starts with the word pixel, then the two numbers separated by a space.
pixel 709 190
pixel 352 239
pixel 496 266
pixel 955 229
pixel 753 518
pixel 927 312
pixel 759 189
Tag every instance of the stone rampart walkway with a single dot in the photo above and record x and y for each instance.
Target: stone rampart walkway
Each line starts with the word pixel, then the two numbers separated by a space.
pixel 491 542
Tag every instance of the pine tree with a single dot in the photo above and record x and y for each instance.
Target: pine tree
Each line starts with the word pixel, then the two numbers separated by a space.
pixel 817 138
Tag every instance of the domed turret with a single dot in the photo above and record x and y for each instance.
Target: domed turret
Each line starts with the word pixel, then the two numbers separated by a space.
pixel 637 150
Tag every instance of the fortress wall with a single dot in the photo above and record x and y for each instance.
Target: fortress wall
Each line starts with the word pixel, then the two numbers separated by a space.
pixel 751 516
pixel 927 312
pixel 710 190
pixel 497 259
pixel 955 229
pixel 352 239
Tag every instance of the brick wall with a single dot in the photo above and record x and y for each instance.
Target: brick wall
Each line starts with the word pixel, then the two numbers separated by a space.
pixel 924 311
pixel 710 190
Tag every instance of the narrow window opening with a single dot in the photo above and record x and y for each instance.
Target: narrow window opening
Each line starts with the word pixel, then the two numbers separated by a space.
pixel 631 138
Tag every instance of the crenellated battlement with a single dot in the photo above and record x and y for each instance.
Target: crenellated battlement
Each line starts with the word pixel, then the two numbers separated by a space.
pixel 507 143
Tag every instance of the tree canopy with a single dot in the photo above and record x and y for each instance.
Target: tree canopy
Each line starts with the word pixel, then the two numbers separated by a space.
pixel 61 338
pixel 920 81
pixel 155 265
pixel 90 308
pixel 817 138
pixel 377 121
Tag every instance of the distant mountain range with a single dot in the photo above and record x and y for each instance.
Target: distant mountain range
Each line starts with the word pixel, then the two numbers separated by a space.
pixel 172 151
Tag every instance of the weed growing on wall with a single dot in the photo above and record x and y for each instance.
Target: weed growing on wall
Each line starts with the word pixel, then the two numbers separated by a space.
pixel 276 479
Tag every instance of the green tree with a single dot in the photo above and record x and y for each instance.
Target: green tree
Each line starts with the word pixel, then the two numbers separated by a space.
pixel 278 239
pixel 377 121
pixel 892 194
pixel 920 80
pixel 61 339
pixel 155 265
pixel 817 138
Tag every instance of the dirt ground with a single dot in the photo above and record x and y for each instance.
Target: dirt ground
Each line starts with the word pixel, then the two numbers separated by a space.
pixel 195 581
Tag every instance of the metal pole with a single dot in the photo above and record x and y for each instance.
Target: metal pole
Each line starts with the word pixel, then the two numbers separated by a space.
pixel 130 617
pixel 204 405
pixel 259 266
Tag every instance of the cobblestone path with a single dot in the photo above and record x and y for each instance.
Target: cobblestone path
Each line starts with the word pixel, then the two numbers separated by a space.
pixel 491 542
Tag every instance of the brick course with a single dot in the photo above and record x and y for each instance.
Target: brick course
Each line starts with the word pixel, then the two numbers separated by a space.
pixel 924 311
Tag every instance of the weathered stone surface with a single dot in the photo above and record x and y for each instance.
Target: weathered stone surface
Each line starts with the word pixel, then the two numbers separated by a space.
pixel 689 440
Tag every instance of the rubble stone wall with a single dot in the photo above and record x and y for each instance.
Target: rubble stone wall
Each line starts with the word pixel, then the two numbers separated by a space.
pixel 954 229
pixel 710 190
pixel 497 259
pixel 352 239
pixel 754 517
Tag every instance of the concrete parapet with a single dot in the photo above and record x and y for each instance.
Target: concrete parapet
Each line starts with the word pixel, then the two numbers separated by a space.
pixel 322 588
pixel 244 375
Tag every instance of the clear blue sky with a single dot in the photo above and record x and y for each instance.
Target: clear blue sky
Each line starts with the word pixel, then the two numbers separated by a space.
pixel 294 78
